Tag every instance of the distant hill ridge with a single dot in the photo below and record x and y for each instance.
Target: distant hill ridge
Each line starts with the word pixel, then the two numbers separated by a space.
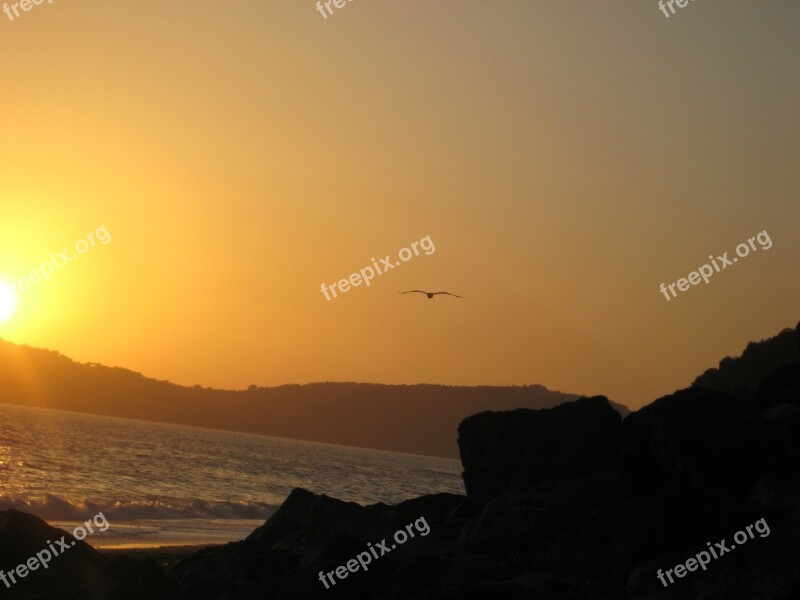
pixel 418 419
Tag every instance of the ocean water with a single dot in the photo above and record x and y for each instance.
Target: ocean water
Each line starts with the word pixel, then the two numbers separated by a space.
pixel 163 485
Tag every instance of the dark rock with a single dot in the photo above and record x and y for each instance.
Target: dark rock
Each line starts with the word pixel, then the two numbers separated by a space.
pixel 312 533
pixel 522 448
pixel 783 421
pixel 782 386
pixel 542 586
pixel 762 568
pixel 706 439
pixel 80 572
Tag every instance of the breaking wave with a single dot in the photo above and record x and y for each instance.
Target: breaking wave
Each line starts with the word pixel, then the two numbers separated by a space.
pixel 56 508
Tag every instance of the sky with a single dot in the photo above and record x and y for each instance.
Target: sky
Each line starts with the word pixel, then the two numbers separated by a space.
pixel 565 158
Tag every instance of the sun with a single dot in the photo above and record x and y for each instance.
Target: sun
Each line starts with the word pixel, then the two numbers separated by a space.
pixel 8 302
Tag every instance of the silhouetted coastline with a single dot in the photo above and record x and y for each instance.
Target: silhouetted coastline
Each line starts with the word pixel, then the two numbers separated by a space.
pixel 571 502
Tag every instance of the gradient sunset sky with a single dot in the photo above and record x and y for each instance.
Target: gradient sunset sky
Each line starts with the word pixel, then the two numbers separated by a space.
pixel 566 158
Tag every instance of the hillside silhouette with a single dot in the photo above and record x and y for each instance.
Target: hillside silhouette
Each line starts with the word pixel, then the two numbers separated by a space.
pixel 418 419
pixel 747 372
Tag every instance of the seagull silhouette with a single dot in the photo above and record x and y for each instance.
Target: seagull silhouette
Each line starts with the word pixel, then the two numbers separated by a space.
pixel 430 294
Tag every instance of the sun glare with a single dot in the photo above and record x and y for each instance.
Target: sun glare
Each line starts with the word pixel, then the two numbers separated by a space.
pixel 8 302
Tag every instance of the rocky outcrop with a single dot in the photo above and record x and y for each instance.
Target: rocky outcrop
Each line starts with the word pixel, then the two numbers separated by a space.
pixel 707 440
pixel 78 572
pixel 503 451
pixel 311 533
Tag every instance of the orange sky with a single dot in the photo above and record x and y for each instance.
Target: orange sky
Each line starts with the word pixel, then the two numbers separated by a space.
pixel 566 158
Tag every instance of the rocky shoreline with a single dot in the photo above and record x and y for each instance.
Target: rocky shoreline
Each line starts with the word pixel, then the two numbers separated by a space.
pixel 567 503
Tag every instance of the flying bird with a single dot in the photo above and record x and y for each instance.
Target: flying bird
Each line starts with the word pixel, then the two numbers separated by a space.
pixel 430 294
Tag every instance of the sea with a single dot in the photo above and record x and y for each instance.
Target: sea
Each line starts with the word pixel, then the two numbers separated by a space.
pixel 169 485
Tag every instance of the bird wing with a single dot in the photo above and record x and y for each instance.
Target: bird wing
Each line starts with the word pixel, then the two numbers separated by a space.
pixel 414 291
pixel 448 294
